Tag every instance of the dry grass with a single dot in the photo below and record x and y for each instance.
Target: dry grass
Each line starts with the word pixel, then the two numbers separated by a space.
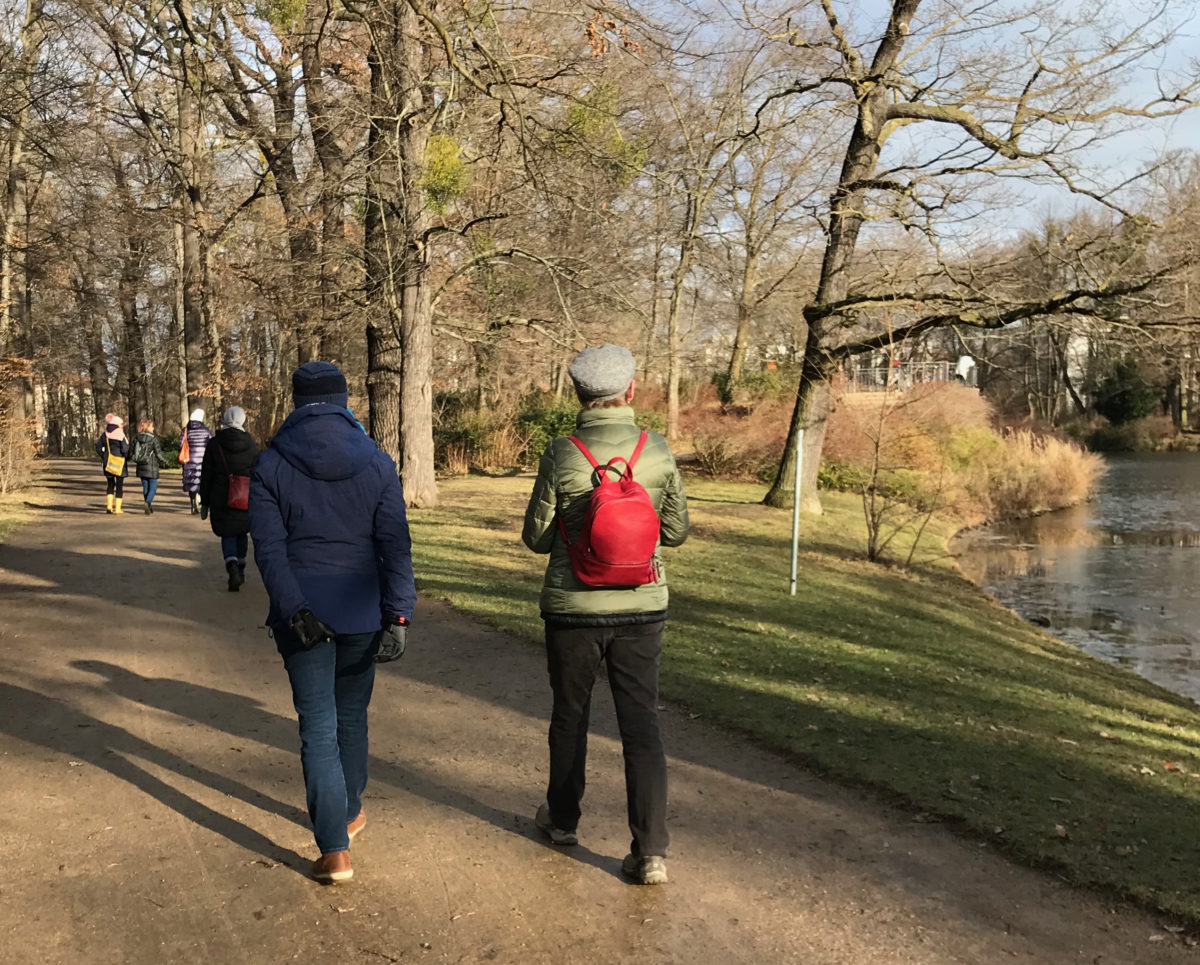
pixel 1035 474
pixel 940 436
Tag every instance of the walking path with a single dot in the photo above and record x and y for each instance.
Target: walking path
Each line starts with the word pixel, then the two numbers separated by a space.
pixel 151 809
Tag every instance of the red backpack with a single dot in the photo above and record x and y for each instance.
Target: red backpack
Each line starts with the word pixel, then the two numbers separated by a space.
pixel 616 545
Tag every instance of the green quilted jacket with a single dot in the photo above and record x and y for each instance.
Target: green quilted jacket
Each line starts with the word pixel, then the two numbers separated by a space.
pixel 564 485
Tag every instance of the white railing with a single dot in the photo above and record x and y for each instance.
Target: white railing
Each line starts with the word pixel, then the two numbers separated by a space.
pixel 898 375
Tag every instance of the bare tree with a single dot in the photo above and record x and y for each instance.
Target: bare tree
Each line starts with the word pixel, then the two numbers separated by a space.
pixel 20 92
pixel 970 93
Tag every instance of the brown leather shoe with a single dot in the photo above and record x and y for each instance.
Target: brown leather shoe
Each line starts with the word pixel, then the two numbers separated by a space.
pixel 332 868
pixel 357 824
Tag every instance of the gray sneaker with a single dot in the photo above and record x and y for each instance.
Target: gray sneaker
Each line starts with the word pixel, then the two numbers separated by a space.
pixel 556 835
pixel 649 869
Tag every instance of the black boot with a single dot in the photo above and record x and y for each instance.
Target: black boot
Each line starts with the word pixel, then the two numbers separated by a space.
pixel 241 571
pixel 192 500
pixel 236 577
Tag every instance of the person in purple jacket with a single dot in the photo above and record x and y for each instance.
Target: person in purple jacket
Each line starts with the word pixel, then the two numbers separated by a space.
pixel 197 434
pixel 331 541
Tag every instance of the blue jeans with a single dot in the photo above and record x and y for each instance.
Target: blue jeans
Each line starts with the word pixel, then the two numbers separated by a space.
pixel 234 547
pixel 331 688
pixel 149 488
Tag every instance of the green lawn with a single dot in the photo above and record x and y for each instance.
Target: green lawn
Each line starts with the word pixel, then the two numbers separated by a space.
pixel 913 682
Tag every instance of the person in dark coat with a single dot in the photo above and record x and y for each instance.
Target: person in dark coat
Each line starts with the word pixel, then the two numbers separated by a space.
pixel 196 434
pixel 148 457
pixel 231 452
pixel 331 541
pixel 112 443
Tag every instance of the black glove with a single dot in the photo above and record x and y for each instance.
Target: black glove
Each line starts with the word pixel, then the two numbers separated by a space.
pixel 393 641
pixel 311 631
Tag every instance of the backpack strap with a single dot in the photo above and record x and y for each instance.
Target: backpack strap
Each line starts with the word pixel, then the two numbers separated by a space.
pixel 637 451
pixel 584 449
pixel 596 465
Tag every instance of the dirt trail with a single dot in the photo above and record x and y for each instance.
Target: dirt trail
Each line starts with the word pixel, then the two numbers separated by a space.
pixel 151 807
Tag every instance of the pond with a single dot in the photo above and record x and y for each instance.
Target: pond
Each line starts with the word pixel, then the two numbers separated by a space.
pixel 1116 577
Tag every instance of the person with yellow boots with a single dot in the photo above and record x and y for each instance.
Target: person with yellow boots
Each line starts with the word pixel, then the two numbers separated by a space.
pixel 113 448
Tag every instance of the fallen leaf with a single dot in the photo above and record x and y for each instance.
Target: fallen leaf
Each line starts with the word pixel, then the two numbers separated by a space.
pixel 1061 831
pixel 1171 766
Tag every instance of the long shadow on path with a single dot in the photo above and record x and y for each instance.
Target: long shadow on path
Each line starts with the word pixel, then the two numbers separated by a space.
pixel 245 717
pixel 56 725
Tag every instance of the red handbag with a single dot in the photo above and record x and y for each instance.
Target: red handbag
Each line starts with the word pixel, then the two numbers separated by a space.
pixel 239 486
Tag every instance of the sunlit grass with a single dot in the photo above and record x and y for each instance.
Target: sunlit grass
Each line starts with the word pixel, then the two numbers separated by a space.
pixel 15 508
pixel 911 681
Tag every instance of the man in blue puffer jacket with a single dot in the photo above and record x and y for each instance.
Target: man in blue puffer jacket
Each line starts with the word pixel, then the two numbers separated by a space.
pixel 331 542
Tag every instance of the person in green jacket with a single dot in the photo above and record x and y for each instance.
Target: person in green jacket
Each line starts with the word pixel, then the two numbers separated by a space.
pixel 621 627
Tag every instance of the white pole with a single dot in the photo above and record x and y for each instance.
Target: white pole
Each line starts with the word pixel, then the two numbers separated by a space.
pixel 796 509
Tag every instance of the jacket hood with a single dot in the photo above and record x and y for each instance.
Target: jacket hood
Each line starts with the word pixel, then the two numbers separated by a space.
pixel 234 440
pixel 324 442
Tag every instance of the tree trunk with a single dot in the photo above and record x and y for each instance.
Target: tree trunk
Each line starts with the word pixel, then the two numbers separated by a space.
pixel 1064 367
pixel 178 332
pixel 191 248
pixel 383 389
pixel 191 271
pixel 135 342
pixel 674 337
pixel 416 394
pixel 212 339
pixel 332 158
pixel 814 401
pixel 87 302
pixel 397 257
pixel 846 214
pixel 744 319
pixel 15 322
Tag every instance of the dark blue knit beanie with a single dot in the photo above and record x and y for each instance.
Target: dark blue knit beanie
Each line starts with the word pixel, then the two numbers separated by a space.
pixel 319 382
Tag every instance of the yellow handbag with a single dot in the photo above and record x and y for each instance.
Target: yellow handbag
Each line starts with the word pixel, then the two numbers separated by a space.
pixel 114 465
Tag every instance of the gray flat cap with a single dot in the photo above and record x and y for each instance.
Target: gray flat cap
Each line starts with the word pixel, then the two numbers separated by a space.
pixel 602 373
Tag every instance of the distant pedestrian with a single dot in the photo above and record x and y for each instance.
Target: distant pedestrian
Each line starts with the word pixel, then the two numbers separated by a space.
pixel 619 625
pixel 148 458
pixel 193 441
pixel 331 542
pixel 113 449
pixel 225 490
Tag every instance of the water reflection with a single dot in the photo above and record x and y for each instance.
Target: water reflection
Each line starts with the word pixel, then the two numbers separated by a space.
pixel 1115 577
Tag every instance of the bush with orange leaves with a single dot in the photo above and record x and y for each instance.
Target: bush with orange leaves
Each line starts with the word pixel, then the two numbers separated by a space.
pixel 737 442
pixel 934 445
